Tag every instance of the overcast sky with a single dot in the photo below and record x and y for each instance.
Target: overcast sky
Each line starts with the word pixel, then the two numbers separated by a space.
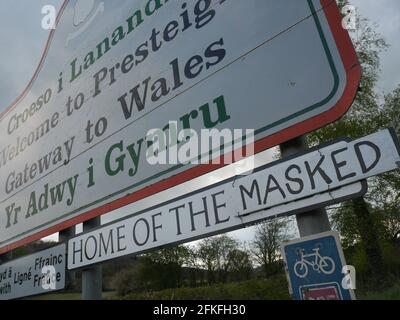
pixel 386 14
pixel 22 41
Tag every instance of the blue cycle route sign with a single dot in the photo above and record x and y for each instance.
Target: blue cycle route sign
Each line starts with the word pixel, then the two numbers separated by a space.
pixel 314 268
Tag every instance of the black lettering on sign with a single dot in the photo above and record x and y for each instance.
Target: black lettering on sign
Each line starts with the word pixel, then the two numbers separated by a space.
pixel 341 164
pixel 244 192
pixel 374 148
pixel 317 169
pixel 293 179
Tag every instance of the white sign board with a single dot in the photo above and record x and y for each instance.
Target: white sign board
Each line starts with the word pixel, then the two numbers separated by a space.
pixel 279 188
pixel 73 146
pixel 115 239
pixel 39 273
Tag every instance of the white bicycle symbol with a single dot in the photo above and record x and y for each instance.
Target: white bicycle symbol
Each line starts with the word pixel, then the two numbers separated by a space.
pixel 326 265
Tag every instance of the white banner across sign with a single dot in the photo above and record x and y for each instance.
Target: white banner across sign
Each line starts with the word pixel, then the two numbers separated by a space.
pixel 39 273
pixel 115 240
pixel 283 187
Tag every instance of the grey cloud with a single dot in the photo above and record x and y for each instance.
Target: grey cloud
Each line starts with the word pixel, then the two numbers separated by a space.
pixel 23 40
pixel 21 32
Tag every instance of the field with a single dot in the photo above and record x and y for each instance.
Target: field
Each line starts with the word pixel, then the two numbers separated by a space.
pixel 271 289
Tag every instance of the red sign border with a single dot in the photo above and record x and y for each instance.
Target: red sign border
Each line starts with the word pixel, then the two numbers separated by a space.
pixel 353 75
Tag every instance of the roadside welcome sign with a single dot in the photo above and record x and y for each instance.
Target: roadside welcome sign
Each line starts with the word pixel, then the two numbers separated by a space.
pixel 75 143
pixel 327 174
pixel 314 268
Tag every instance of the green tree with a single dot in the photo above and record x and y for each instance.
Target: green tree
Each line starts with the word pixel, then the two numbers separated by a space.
pixel 207 255
pixel 162 269
pixel 355 219
pixel 266 244
pixel 240 266
pixel 193 263
pixel 385 188
pixel 215 256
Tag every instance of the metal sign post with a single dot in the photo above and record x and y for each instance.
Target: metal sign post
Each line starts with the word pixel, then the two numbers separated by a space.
pixel 92 278
pixel 314 221
pixel 64 236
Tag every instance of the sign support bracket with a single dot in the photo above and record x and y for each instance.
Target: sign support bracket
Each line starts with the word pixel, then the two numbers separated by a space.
pixel 92 278
pixel 64 236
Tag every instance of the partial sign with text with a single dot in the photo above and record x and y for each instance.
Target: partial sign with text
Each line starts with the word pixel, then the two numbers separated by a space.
pixel 38 273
